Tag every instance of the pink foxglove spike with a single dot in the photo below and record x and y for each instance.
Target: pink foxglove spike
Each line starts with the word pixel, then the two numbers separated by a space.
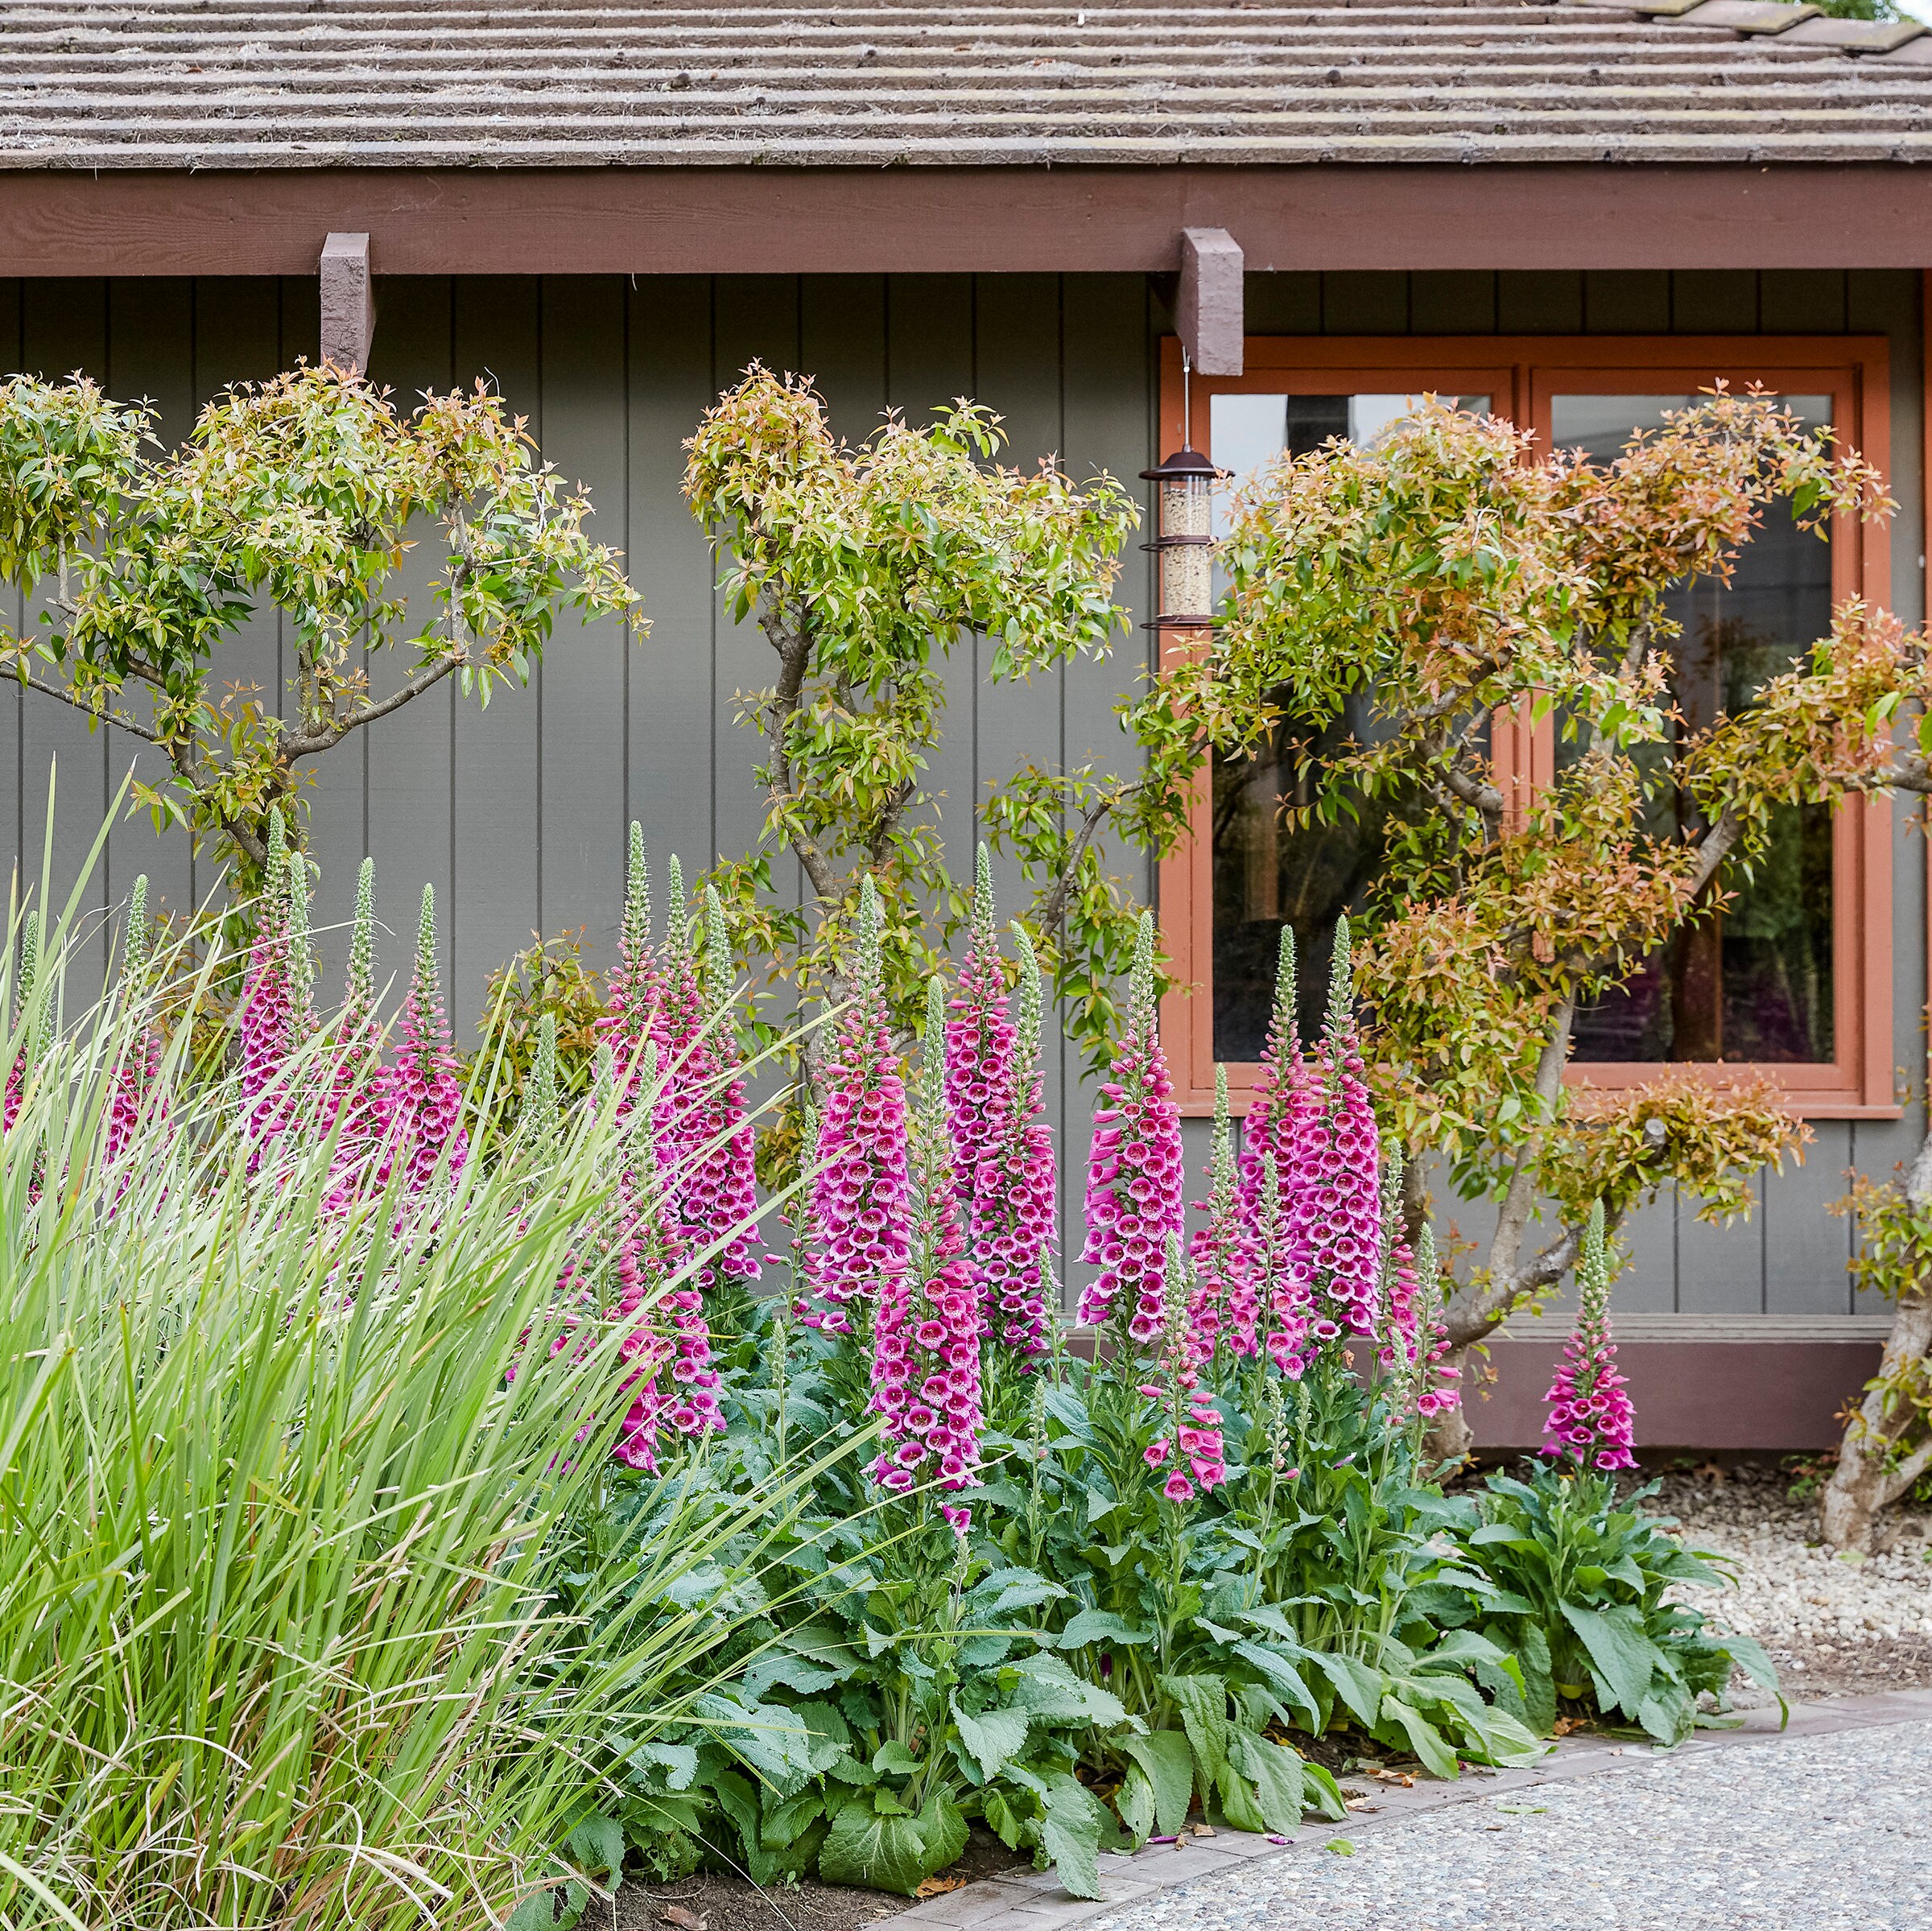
pixel 1590 1423
pixel 1136 1174
pixel 861 1207
pixel 425 1098
pixel 925 1369
pixel 981 1041
pixel 1332 1187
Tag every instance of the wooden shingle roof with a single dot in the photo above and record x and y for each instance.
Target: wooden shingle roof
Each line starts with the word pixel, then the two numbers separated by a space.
pixel 180 84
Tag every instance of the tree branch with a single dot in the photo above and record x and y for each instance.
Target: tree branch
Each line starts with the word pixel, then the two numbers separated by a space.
pixel 1508 1280
pixel 108 716
pixel 1052 908
pixel 296 745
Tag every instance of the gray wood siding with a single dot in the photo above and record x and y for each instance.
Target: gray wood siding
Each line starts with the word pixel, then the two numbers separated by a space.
pixel 517 815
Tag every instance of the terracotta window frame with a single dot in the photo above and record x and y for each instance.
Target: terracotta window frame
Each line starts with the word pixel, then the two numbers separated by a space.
pixel 1520 374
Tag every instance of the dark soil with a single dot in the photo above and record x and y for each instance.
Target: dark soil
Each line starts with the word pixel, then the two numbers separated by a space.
pixel 727 1903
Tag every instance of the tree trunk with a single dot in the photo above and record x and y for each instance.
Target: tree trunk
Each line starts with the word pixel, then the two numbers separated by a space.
pixel 1867 1479
pixel 1871 1475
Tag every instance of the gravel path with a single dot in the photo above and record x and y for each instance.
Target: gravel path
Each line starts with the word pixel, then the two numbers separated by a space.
pixel 1829 1833
pixel 1832 1626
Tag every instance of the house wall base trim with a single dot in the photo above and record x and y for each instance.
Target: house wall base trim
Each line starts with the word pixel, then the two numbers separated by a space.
pixel 1776 1397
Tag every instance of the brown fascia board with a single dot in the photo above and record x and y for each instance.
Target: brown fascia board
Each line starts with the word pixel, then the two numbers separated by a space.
pixel 1073 219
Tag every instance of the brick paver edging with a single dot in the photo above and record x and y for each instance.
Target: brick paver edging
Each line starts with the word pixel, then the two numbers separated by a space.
pixel 1033 1900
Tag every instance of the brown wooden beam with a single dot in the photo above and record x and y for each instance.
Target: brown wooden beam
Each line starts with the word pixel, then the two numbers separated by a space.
pixel 910 220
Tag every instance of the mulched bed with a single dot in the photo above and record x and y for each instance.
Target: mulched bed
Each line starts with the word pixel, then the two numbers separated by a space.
pixel 726 1903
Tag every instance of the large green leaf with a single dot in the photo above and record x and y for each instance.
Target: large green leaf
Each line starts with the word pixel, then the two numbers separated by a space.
pixel 1071 1833
pixel 1623 1655
pixel 1359 1686
pixel 1202 1703
pixel 886 1853
pixel 1424 1739
pixel 1044 1686
pixel 1100 1625
pixel 991 1738
pixel 1275 1771
pixel 1282 1676
pixel 1135 1800
pixel 942 1829
pixel 1238 1806
pixel 1167 1761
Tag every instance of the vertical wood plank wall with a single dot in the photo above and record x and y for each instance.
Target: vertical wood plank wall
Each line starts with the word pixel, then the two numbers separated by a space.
pixel 517 816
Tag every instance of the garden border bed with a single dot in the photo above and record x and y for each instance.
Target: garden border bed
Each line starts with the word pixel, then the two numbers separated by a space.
pixel 1033 1900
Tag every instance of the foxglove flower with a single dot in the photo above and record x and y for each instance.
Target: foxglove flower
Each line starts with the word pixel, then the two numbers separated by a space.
pixel 537 1118
pixel 1013 1209
pixel 671 1382
pixel 1396 1313
pixel 677 1028
pixel 358 1107
pixel 1284 1102
pixel 1590 1423
pixel 981 1040
pixel 926 1329
pixel 424 1098
pixel 1187 1440
pixel 717 1195
pixel 1223 1310
pixel 1334 1185
pixel 135 1079
pixel 1135 1173
pixel 23 1007
pixel 632 1013
pixel 1275 1253
pixel 266 1032
pixel 861 1207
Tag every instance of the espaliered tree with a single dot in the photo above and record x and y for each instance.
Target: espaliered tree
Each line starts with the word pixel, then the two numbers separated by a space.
pixel 1461 579
pixel 865 565
pixel 302 494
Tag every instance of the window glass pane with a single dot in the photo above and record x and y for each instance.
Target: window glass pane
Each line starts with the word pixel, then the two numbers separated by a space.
pixel 1754 981
pixel 1264 876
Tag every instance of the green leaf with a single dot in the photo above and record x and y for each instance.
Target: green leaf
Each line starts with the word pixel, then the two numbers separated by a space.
pixel 1340 1846
pixel 1135 1800
pixel 1424 1739
pixel 1001 1818
pixel 1202 1703
pixel 1044 1686
pixel 597 1844
pixel 886 1853
pixel 943 1827
pixel 1070 1833
pixel 1100 1625
pixel 1623 1654
pixel 1359 1686
pixel 1282 1677
pixel 1166 1760
pixel 991 1738
pixel 1276 1772
pixel 1748 1653
pixel 1238 1806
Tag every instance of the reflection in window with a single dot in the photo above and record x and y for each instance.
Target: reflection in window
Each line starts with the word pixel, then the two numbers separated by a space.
pixel 1752 982
pixel 1265 875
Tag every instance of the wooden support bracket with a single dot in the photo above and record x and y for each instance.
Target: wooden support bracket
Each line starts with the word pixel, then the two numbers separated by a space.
pixel 348 302
pixel 1210 315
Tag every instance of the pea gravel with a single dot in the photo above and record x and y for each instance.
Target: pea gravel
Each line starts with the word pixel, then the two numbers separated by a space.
pixel 1830 1833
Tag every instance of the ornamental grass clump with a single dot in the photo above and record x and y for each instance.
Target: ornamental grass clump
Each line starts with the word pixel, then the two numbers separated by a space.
pixel 285 1535
pixel 1590 1424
